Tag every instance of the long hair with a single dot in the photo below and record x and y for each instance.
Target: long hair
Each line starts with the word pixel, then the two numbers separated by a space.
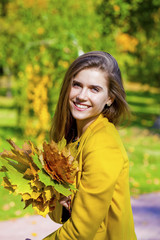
pixel 64 125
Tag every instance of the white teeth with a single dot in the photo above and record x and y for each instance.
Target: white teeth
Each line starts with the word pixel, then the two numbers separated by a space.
pixel 81 106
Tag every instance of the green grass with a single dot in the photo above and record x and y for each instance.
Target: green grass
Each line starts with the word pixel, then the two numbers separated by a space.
pixel 144 154
pixel 145 107
pixel 8 117
pixel 11 205
pixel 6 102
pixel 140 139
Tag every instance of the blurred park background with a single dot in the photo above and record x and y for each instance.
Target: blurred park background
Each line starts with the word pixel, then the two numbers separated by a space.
pixel 38 41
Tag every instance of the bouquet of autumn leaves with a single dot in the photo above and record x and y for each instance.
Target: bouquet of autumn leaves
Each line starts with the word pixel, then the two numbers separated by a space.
pixel 41 177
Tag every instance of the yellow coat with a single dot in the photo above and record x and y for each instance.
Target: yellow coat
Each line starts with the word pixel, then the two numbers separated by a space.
pixel 101 208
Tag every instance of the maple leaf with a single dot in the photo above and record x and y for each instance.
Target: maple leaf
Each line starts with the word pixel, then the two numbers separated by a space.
pixel 16 178
pixel 22 157
pixel 58 164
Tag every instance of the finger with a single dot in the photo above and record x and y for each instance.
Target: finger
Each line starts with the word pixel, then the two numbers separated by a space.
pixel 65 199
pixel 65 202
pixel 66 205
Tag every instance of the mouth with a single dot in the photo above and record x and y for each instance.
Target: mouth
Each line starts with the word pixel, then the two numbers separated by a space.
pixel 81 107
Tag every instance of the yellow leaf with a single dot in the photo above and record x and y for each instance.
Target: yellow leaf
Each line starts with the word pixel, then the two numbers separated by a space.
pixel 33 148
pixel 33 169
pixel 34 234
pixel 62 144
pixel 26 196
pixel 35 195
pixel 37 184
pixel 40 207
pixel 28 173
pixel 48 193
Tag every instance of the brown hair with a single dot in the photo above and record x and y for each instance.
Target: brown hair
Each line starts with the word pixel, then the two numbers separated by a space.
pixel 64 125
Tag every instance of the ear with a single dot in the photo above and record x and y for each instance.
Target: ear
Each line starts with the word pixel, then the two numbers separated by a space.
pixel 109 101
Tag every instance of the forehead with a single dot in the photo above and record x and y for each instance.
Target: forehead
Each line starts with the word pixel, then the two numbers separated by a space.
pixel 91 75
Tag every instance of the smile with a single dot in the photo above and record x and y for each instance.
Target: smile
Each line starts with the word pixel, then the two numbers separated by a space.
pixel 81 106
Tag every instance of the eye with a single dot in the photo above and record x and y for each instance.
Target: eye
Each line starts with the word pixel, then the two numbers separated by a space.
pixel 76 84
pixel 95 89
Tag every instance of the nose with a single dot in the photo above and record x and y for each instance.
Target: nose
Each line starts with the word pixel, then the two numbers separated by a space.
pixel 82 96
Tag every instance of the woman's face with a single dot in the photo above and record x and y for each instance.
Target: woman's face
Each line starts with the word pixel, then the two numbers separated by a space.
pixel 88 96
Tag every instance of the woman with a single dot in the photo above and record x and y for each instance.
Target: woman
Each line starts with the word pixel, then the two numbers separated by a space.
pixel 92 101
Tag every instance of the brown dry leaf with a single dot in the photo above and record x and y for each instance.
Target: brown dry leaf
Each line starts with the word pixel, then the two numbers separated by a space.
pixel 37 184
pixel 13 155
pixel 21 156
pixel 58 164
pixel 6 184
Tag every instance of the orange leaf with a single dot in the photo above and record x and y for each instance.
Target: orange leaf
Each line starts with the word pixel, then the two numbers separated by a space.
pixel 58 164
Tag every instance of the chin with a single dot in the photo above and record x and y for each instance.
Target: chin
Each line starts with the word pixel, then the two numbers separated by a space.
pixel 79 117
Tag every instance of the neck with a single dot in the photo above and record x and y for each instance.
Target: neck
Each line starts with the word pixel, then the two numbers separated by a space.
pixel 83 125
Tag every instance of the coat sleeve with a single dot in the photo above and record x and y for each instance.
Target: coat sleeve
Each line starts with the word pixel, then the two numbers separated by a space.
pixel 101 168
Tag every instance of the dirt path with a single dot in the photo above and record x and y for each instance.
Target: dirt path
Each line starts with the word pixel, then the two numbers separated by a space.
pixel 146 210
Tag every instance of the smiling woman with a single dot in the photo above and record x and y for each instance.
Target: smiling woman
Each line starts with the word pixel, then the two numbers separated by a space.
pixel 92 101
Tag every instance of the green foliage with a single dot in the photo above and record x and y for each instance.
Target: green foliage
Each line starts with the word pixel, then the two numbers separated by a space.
pixel 63 189
pixel 139 20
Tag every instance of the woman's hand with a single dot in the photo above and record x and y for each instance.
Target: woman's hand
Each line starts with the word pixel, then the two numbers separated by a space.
pixel 66 202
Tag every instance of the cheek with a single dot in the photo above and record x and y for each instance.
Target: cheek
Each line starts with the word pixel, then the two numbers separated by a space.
pixel 72 93
pixel 101 103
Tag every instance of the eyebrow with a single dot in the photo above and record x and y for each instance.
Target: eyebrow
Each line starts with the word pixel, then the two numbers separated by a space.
pixel 96 86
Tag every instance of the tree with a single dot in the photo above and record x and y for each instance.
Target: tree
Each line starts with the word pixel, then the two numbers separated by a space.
pixel 134 24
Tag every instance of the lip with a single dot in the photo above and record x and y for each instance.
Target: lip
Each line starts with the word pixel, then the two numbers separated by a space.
pixel 80 106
